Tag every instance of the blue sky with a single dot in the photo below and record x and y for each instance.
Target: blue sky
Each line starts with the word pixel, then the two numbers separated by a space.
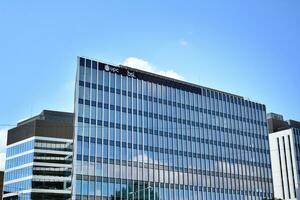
pixel 250 48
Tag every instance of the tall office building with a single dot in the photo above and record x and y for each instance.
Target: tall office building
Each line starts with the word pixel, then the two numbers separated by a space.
pixel 140 135
pixel 39 157
pixel 285 156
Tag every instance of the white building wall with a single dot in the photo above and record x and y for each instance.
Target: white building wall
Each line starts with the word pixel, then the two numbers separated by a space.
pixel 284 167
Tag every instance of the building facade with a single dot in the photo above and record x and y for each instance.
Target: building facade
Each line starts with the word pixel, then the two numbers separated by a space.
pixel 285 157
pixel 139 135
pixel 39 157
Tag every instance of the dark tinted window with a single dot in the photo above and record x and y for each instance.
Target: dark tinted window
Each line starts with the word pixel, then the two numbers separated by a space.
pixel 88 63
pixel 81 61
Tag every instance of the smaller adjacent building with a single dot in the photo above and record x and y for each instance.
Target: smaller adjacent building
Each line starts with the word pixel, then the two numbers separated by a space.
pixel 39 157
pixel 284 140
pixel 1 183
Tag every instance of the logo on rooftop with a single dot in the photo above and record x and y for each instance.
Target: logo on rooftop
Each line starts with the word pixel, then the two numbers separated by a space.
pixel 130 74
pixel 112 69
pixel 109 68
pixel 106 68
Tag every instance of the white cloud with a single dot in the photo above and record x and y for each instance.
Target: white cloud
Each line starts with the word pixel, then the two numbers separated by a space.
pixel 2 161
pixel 3 136
pixel 146 66
pixel 138 64
pixel 23 119
pixel 183 43
pixel 171 73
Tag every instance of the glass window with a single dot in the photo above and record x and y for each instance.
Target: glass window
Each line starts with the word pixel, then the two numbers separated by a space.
pixel 81 73
pixel 99 150
pixel 111 152
pixel 88 74
pixel 118 99
pixel 124 83
pixel 92 188
pixel 94 76
pixel 118 81
pixel 106 80
pixel 81 92
pixel 100 77
pixel 112 80
pixel 118 117
pixel 118 153
pixel 94 94
pixel 79 148
pixel 98 188
pixel 87 111
pixel 92 149
pixel 112 116
pixel 118 135
pixel 134 85
pixel 129 84
pixel 105 151
pixel 111 189
pixel 100 96
pixel 85 187
pixel 104 189
pixel 112 133
pixel 86 148
pixel 78 187
pixel 124 153
pixel 105 114
pixel 106 97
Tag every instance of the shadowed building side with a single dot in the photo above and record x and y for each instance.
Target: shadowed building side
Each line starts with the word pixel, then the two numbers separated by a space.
pixel 1 183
